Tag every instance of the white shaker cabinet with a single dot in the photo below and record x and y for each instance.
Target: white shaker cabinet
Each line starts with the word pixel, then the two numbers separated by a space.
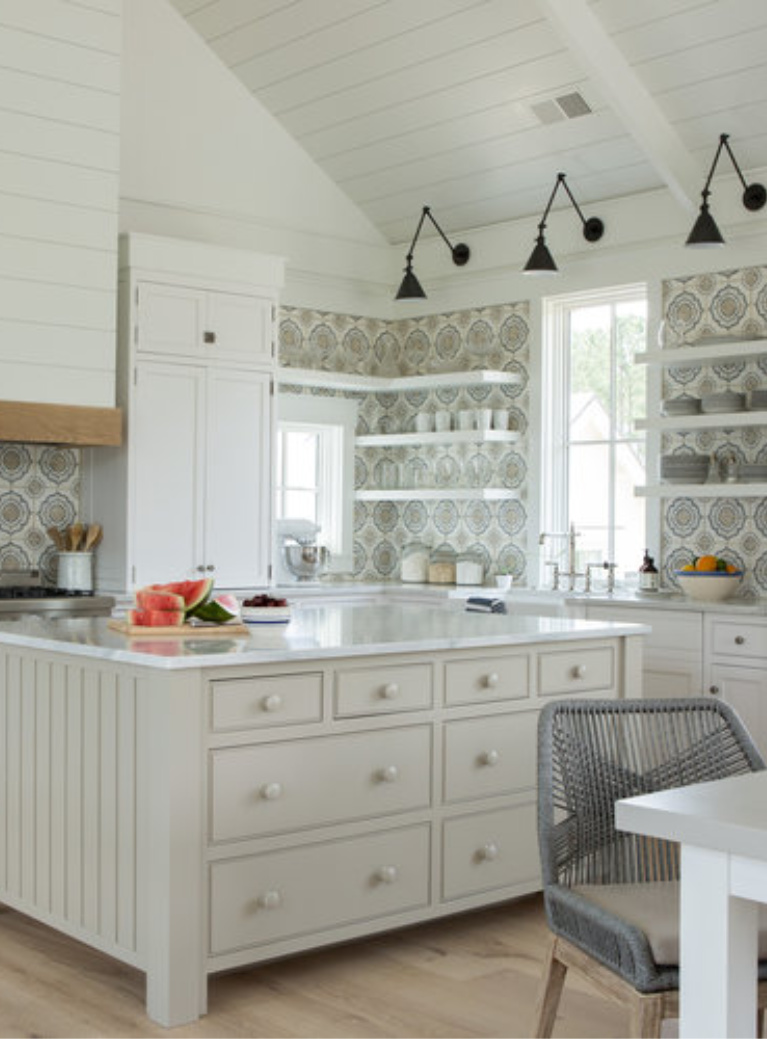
pixel 201 474
pixel 736 669
pixel 189 493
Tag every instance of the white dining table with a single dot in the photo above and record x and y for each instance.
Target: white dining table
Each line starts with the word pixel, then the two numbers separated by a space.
pixel 722 829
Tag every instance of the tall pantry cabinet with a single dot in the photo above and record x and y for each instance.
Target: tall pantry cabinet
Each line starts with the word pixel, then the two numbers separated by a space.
pixel 189 493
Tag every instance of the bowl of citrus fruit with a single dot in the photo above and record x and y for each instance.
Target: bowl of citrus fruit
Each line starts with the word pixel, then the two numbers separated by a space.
pixel 709 578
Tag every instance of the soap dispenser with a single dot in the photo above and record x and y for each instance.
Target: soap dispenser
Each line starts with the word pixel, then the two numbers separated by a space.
pixel 649 578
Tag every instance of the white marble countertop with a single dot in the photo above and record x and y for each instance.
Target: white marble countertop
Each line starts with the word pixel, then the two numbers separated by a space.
pixel 726 814
pixel 313 632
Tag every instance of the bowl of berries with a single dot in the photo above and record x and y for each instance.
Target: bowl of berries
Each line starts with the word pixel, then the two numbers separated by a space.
pixel 265 609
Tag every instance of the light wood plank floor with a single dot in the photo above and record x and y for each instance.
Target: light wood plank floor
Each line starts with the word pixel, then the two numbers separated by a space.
pixel 473 975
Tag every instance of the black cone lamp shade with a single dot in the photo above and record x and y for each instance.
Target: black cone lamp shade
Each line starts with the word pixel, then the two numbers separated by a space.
pixel 705 233
pixel 541 261
pixel 411 287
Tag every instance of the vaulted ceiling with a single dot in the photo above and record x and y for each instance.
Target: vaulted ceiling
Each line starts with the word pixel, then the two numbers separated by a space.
pixel 474 106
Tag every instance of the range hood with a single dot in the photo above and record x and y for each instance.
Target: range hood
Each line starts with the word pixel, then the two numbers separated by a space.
pixel 74 425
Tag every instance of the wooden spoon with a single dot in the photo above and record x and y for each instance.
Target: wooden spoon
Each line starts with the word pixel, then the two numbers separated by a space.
pixel 92 536
pixel 75 534
pixel 57 537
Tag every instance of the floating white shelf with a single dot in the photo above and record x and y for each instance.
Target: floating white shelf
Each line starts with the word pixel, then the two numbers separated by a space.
pixel 439 493
pixel 702 490
pixel 729 420
pixel 455 436
pixel 378 384
pixel 712 353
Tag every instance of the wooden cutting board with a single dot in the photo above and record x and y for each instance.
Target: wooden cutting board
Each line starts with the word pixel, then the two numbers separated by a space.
pixel 182 630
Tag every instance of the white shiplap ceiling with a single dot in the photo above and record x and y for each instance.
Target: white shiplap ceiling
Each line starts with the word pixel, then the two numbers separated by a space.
pixel 413 102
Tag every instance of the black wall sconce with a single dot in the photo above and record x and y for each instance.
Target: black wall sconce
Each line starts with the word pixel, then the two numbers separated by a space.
pixel 541 261
pixel 411 286
pixel 704 231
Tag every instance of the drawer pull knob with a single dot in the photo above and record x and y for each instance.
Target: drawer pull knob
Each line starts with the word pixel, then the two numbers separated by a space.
pixel 491 757
pixel 271 791
pixel 740 640
pixel 269 900
pixel 390 774
pixel 714 690
pixel 489 852
pixel 579 671
pixel 390 691
pixel 492 680
pixel 387 874
pixel 272 703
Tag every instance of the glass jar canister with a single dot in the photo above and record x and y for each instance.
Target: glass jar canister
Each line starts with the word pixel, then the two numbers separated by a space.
pixel 442 566
pixel 469 568
pixel 415 562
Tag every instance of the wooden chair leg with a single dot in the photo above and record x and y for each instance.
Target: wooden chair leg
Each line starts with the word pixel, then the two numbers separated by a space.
pixel 550 993
pixel 646 1017
pixel 760 1021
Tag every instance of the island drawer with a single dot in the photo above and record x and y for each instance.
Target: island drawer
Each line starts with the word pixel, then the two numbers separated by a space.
pixel 735 638
pixel 253 703
pixel 317 781
pixel 489 850
pixel 577 671
pixel 262 898
pixel 381 690
pixel 486 678
pixel 488 756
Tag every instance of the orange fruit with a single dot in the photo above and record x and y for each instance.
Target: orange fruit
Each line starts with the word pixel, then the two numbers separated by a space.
pixel 689 566
pixel 731 569
pixel 706 563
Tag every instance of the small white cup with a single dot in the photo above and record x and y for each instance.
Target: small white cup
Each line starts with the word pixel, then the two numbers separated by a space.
pixel 500 418
pixel 424 422
pixel 442 421
pixel 466 419
pixel 484 417
pixel 504 581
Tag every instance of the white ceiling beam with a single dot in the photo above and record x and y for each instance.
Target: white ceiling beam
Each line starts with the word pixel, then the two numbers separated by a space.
pixel 606 65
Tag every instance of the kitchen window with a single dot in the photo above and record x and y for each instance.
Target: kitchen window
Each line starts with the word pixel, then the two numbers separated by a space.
pixel 592 455
pixel 315 468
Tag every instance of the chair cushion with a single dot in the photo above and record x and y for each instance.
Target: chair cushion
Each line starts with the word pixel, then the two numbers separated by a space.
pixel 654 909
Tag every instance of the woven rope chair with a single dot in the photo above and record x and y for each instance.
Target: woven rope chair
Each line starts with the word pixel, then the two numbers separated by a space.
pixel 612 897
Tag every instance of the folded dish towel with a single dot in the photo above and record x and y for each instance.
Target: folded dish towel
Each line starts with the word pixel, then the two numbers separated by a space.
pixel 478 605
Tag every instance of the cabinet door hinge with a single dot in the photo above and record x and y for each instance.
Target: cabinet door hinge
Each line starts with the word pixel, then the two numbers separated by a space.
pixel 133 574
pixel 135 376
pixel 269 573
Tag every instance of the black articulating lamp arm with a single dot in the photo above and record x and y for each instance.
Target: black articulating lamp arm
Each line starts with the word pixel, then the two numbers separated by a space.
pixel 460 252
pixel 754 195
pixel 593 228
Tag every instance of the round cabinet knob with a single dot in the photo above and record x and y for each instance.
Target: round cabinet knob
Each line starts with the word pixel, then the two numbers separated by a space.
pixel 269 900
pixel 387 874
pixel 390 774
pixel 714 690
pixel 491 757
pixel 490 851
pixel 740 640
pixel 272 703
pixel 492 680
pixel 579 671
pixel 210 567
pixel 390 691
pixel 200 569
pixel 271 791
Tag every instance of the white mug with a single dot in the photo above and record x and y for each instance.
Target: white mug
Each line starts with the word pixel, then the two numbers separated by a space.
pixel 484 417
pixel 500 418
pixel 466 419
pixel 424 422
pixel 442 421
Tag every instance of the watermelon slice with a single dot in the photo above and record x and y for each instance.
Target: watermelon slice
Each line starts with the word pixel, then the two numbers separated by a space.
pixel 220 610
pixel 194 593
pixel 156 618
pixel 149 599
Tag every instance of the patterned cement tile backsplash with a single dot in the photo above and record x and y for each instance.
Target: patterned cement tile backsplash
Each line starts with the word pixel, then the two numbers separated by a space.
pixel 491 337
pixel 39 488
pixel 723 305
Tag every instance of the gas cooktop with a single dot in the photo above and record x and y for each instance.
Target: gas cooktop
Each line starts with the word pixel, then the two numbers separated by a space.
pixel 36 591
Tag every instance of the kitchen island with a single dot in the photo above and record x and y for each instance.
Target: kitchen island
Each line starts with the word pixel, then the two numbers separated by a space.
pixel 194 804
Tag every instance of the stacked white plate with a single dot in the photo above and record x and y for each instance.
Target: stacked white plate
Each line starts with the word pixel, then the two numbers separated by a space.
pixel 719 403
pixel 684 468
pixel 754 473
pixel 684 405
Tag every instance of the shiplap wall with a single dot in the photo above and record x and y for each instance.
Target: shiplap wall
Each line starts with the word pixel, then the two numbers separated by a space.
pixel 59 196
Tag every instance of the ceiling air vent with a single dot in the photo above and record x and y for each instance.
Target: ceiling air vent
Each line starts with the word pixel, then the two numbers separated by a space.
pixel 566 106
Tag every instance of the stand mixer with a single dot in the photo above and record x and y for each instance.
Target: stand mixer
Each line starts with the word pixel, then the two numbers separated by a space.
pixel 298 556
